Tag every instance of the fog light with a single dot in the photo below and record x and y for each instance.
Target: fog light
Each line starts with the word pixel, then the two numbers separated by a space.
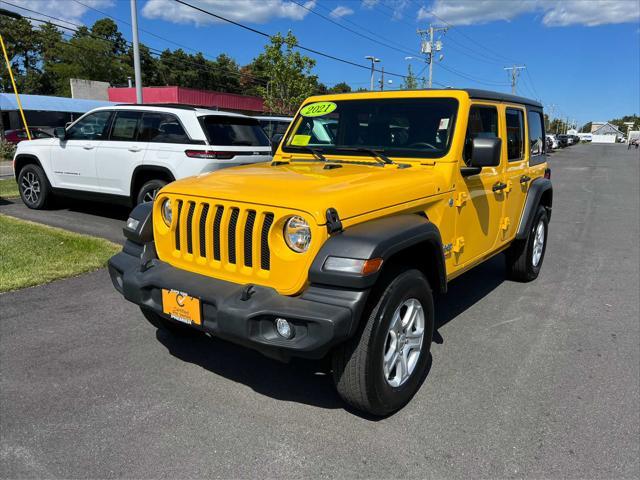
pixel 132 223
pixel 284 328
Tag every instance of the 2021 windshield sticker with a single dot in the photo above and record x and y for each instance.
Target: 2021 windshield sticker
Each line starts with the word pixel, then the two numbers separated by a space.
pixel 318 109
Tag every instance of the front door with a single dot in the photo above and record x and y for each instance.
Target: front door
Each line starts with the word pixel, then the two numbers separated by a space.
pixel 73 159
pixel 478 203
pixel 120 154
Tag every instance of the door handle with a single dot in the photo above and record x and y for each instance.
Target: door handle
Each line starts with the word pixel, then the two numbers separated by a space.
pixel 135 149
pixel 524 179
pixel 88 147
pixel 499 186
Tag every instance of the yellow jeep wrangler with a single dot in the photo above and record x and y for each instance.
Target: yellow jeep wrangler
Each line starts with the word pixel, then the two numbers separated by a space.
pixel 372 202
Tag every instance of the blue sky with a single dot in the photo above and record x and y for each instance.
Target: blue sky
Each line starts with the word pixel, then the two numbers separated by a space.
pixel 582 56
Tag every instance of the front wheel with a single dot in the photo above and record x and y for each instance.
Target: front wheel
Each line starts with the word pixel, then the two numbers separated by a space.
pixel 382 367
pixel 524 258
pixel 34 187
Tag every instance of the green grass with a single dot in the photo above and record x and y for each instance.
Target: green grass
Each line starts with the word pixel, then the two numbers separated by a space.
pixel 32 254
pixel 9 188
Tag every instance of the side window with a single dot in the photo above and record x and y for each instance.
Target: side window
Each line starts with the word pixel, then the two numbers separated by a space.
pixel 536 133
pixel 125 126
pixel 159 127
pixel 483 123
pixel 280 127
pixel 92 127
pixel 267 126
pixel 515 134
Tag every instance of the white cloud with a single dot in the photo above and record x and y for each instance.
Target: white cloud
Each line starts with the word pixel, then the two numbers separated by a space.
pixel 369 3
pixel 238 10
pixel 341 11
pixel 64 10
pixel 554 13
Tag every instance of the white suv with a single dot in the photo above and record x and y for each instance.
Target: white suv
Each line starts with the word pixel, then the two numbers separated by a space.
pixel 126 153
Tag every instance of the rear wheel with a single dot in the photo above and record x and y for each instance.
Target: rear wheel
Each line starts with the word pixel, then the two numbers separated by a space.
pixel 34 187
pixel 162 323
pixel 149 190
pixel 524 258
pixel 382 367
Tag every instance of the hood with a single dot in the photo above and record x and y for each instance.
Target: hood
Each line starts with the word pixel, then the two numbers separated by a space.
pixel 310 187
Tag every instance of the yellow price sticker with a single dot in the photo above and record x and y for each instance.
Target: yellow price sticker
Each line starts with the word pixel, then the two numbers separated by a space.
pixel 318 109
pixel 301 140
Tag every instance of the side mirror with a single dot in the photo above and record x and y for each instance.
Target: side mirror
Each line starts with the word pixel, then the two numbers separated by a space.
pixel 60 132
pixel 485 152
pixel 275 142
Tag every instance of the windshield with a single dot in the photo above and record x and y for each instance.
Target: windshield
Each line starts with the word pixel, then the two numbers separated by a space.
pixel 404 127
pixel 238 131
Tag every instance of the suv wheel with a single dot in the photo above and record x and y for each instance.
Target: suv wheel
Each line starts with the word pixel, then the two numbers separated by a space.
pixel 382 367
pixel 34 187
pixel 162 323
pixel 149 190
pixel 524 258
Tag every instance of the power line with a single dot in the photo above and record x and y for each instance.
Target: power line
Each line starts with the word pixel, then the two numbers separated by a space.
pixel 328 19
pixel 301 47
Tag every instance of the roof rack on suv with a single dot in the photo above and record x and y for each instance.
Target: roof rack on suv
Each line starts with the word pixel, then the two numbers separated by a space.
pixel 183 106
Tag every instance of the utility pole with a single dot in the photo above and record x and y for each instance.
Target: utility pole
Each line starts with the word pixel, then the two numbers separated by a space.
pixel 515 71
pixel 374 60
pixel 429 46
pixel 382 79
pixel 136 51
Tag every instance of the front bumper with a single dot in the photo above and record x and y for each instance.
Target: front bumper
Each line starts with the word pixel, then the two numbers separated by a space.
pixel 322 316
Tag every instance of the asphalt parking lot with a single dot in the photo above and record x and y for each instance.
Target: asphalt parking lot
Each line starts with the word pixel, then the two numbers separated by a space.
pixel 530 380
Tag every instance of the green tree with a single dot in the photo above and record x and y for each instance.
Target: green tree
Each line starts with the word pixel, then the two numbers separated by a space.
pixel 341 87
pixel 289 73
pixel 411 81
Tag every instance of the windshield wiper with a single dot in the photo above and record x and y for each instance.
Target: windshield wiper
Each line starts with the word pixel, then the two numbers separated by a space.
pixel 377 154
pixel 316 153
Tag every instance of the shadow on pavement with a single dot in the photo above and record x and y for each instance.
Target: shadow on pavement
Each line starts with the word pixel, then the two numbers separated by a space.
pixel 102 209
pixel 306 381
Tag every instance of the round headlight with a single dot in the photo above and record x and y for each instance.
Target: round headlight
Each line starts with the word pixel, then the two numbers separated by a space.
pixel 167 212
pixel 297 234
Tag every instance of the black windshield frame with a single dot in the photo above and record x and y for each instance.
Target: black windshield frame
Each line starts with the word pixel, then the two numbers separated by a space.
pixel 434 109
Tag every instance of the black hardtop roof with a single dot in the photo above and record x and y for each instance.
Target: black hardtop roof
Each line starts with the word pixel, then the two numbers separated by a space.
pixel 500 97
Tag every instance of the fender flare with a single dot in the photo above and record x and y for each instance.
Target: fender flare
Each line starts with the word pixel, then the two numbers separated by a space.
pixel 31 159
pixel 381 238
pixel 539 187
pixel 143 231
pixel 143 168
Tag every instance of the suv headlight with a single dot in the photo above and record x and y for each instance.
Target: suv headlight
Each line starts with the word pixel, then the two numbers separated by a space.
pixel 167 212
pixel 297 234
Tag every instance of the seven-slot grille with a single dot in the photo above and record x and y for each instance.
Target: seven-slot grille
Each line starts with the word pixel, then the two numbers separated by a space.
pixel 219 228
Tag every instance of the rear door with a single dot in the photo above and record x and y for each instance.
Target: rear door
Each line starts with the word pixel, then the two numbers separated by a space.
pixel 73 159
pixel 166 140
pixel 119 155
pixel 517 153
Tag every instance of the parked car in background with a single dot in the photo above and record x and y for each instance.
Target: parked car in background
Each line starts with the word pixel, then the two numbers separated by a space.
pixel 552 141
pixel 18 135
pixel 563 141
pixel 126 153
pixel 576 139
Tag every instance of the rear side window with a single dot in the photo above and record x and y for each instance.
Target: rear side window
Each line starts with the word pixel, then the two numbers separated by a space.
pixel 483 123
pixel 536 135
pixel 515 134
pixel 234 131
pixel 159 127
pixel 125 126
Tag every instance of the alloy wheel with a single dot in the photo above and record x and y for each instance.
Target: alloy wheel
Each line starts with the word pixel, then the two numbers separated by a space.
pixel 403 342
pixel 538 244
pixel 30 184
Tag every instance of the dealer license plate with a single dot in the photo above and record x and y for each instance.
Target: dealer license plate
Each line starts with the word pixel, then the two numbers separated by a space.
pixel 181 306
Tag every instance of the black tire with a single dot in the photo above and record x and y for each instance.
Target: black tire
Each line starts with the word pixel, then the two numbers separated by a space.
pixel 358 371
pixel 34 187
pixel 521 265
pixel 149 190
pixel 162 323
